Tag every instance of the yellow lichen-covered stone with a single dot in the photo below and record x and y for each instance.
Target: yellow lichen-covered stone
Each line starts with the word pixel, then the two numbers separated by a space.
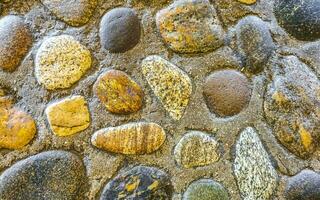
pixel 61 61
pixel 68 116
pixel 129 139
pixel 248 1
pixel 118 92
pixel 170 84
pixel 17 128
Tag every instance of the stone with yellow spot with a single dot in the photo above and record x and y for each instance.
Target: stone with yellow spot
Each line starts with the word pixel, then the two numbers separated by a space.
pixel 249 2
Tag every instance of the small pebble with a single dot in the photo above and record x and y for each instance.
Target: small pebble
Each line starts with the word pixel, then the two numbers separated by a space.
pixel 118 92
pixel 249 2
pixel 68 116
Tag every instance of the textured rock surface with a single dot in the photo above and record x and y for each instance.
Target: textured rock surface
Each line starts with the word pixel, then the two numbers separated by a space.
pixel 170 84
pixel 227 92
pixel 48 175
pixel 196 149
pixel 132 138
pixel 16 40
pixel 256 177
pixel 303 186
pixel 118 92
pixel 205 189
pixel 300 18
pixel 17 128
pixel 201 34
pixel 68 116
pixel 139 183
pixel 292 106
pixel 254 42
pixel 120 30
pixel 74 13
pixel 61 61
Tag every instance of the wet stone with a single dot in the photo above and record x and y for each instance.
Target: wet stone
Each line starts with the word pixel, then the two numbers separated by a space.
pixel 300 18
pixel 292 106
pixel 120 30
pixel 74 13
pixel 227 92
pixel 16 40
pixel 190 26
pixel 61 61
pixel 140 182
pixel 130 139
pixel 196 149
pixel 255 43
pixel 68 116
pixel 255 175
pixel 118 92
pixel 17 128
pixel 169 83
pixel 205 189
pixel 303 186
pixel 48 175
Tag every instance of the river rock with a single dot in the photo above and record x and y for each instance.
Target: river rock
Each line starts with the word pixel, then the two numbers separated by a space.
pixel 256 177
pixel 181 34
pixel 139 183
pixel 61 61
pixel 17 128
pixel 292 106
pixel 196 149
pixel 74 13
pixel 205 189
pixel 170 84
pixel 303 186
pixel 16 40
pixel 300 18
pixel 255 43
pixel 132 138
pixel 120 30
pixel 68 116
pixel 48 175
pixel 227 92
pixel 118 92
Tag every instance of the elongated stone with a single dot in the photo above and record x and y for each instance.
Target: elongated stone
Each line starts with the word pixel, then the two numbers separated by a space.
pixel 132 138
pixel 256 177
pixel 196 149
pixel 68 116
pixel 249 2
pixel 170 84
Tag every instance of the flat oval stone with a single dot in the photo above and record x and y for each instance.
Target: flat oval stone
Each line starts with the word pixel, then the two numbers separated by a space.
pixel 303 186
pixel 132 138
pixel 196 149
pixel 139 183
pixel 300 18
pixel 120 30
pixel 249 2
pixel 227 92
pixel 256 177
pixel 68 116
pixel 61 61
pixel 74 13
pixel 181 34
pixel 255 43
pixel 17 128
pixel 292 106
pixel 48 175
pixel 205 189
pixel 170 84
pixel 118 92
pixel 16 40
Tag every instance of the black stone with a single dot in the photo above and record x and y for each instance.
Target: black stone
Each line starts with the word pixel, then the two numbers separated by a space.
pixel 120 30
pixel 139 183
pixel 303 186
pixel 300 18
pixel 255 43
pixel 50 175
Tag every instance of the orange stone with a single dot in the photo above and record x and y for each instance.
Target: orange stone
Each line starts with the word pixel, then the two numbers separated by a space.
pixel 118 92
